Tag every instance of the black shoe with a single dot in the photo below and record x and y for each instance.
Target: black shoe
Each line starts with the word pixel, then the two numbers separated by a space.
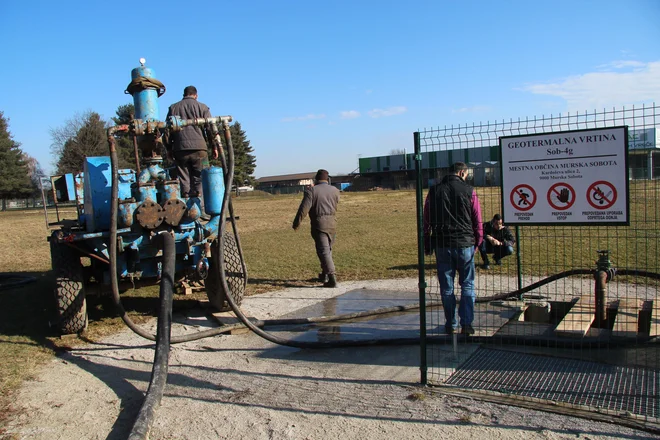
pixel 467 330
pixel 332 281
pixel 485 266
pixel 449 329
pixel 498 262
pixel 323 277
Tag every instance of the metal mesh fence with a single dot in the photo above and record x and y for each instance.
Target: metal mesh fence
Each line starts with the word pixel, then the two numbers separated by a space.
pixel 614 321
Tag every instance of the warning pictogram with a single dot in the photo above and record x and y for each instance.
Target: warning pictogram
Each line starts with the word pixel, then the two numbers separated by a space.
pixel 523 197
pixel 561 196
pixel 601 194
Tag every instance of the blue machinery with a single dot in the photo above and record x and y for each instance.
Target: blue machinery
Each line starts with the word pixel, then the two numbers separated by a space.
pixel 148 202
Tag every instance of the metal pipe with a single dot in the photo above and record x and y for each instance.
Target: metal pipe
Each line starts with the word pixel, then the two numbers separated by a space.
pixel 43 200
pixel 54 191
pixel 419 195
pixel 175 123
pixel 89 254
pixel 137 158
pixel 518 260
pixel 600 317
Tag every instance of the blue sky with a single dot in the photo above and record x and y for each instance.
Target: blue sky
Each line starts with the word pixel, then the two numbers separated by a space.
pixel 317 84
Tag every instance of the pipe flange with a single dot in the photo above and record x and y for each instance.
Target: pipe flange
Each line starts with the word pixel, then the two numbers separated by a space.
pixel 149 214
pixel 611 272
pixel 174 210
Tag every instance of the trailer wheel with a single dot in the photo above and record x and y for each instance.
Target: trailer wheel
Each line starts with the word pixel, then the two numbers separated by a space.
pixel 69 288
pixel 233 271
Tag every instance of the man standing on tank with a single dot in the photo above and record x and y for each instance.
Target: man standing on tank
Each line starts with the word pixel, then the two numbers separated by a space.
pixel 188 146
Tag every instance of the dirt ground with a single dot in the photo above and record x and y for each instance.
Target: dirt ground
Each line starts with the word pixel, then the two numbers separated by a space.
pixel 243 387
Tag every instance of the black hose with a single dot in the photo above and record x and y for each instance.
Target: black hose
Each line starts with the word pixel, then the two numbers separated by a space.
pixel 161 358
pixel 535 285
pixel 237 238
pixel 15 280
pixel 114 282
pixel 114 208
pixel 638 273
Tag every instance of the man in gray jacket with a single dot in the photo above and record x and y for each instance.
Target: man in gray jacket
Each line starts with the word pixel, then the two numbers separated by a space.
pixel 320 202
pixel 188 146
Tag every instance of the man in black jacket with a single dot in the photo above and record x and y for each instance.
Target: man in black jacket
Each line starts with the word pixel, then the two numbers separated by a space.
pixel 188 146
pixel 452 227
pixel 498 240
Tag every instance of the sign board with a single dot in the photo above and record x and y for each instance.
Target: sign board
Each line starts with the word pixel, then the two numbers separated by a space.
pixel 642 139
pixel 575 177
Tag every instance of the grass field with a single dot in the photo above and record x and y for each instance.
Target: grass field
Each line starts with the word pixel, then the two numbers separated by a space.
pixel 376 238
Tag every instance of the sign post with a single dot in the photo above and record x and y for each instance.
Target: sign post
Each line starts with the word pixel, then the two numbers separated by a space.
pixel 566 178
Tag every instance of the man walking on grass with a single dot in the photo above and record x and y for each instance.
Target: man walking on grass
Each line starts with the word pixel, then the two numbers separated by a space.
pixel 453 229
pixel 320 202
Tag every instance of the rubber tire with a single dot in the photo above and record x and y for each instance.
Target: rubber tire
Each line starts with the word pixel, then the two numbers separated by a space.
pixel 233 271
pixel 69 290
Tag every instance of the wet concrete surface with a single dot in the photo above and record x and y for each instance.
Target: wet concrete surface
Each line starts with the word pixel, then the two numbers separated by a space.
pixel 401 362
pixel 397 325
pixel 397 364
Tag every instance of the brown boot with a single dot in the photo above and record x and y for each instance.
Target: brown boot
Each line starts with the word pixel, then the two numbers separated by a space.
pixel 332 281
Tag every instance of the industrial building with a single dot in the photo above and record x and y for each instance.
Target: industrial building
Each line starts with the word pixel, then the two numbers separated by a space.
pixel 295 183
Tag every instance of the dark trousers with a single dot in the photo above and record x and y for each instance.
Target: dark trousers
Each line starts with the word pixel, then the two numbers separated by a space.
pixel 498 252
pixel 189 165
pixel 323 242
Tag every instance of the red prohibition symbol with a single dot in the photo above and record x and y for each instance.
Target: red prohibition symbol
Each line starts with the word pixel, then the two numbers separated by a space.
pixel 601 194
pixel 561 196
pixel 523 197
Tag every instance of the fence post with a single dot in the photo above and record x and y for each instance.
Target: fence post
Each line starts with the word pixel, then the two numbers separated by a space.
pixel 518 263
pixel 423 367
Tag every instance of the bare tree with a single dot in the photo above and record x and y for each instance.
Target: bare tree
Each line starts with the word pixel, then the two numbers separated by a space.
pixel 35 172
pixel 60 135
pixel 81 136
pixel 396 151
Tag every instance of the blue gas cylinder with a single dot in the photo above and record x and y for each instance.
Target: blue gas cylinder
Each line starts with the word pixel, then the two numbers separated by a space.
pixel 213 185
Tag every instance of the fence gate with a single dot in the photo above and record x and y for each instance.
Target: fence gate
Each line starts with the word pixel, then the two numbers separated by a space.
pixel 572 316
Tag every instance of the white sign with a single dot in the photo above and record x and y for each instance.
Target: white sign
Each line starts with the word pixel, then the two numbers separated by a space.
pixel 641 139
pixel 565 178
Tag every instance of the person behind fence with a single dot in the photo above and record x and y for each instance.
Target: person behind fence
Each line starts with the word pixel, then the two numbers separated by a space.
pixel 498 240
pixel 188 146
pixel 320 202
pixel 453 229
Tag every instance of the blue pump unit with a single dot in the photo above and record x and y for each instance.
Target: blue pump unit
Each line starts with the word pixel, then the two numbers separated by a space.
pixel 149 202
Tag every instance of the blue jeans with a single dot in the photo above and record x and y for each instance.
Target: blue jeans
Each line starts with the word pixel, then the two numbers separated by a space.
pixel 450 260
